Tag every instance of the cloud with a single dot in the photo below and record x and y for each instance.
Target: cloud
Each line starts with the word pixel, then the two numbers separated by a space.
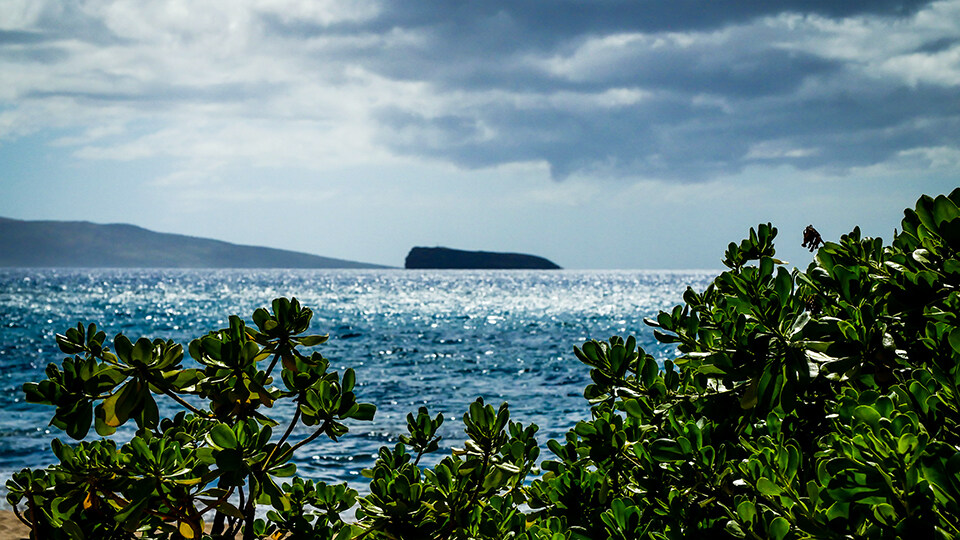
pixel 683 91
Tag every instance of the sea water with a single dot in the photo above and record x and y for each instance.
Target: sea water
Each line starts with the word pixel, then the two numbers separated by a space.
pixel 438 339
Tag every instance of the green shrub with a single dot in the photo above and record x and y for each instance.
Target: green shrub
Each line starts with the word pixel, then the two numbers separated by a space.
pixel 178 474
pixel 816 404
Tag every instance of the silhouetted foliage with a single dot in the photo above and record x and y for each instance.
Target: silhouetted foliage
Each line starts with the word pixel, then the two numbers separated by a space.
pixel 811 239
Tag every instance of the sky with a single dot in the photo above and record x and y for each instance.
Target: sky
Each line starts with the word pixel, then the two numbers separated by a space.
pixel 600 134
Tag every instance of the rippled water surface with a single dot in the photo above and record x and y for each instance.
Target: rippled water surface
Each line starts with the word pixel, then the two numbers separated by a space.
pixel 435 338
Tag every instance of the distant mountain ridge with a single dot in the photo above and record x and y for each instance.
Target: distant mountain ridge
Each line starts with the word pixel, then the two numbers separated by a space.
pixel 455 259
pixel 90 245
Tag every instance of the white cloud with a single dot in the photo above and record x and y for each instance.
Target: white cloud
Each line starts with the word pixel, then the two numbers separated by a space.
pixel 765 150
pixel 324 12
pixel 214 81
pixel 600 57
pixel 883 48
pixel 942 68
pixel 21 14
pixel 940 157
pixel 257 142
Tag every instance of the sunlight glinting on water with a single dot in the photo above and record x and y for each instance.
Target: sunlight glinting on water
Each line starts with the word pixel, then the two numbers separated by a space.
pixel 415 338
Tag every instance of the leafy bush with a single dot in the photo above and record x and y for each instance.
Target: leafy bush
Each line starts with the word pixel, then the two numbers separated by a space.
pixel 817 404
pixel 177 472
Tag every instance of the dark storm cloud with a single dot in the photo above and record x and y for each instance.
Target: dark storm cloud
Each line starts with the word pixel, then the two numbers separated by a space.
pixel 474 42
pixel 710 104
pixel 938 45
pixel 40 55
pixel 19 37
pixel 668 137
pixel 548 23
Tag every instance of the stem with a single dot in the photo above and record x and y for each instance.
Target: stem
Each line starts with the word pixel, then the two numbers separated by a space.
pixel 735 518
pixel 521 476
pixel 423 451
pixel 34 526
pixel 946 521
pixel 181 401
pixel 249 516
pixel 276 357
pixel 16 511
pixel 416 462
pixel 473 496
pixel 217 528
pixel 234 523
pixel 166 517
pixel 217 502
pixel 309 439
pixel 364 534
pixel 286 434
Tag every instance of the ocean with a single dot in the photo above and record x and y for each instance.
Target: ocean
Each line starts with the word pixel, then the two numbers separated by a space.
pixel 438 339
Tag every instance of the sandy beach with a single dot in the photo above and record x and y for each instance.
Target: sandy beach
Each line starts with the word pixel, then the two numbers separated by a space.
pixel 11 528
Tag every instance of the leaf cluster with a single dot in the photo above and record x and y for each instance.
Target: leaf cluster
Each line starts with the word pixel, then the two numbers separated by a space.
pixel 204 471
pixel 816 404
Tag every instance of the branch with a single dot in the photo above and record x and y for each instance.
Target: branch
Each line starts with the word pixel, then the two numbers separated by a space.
pixel 286 434
pixel 217 502
pixel 184 403
pixel 232 531
pixel 276 357
pixel 16 511
pixel 309 439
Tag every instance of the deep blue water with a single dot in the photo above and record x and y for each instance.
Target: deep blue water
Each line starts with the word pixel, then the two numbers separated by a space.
pixel 435 338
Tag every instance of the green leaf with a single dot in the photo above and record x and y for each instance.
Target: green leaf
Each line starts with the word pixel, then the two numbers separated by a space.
pixel 122 346
pixel 907 443
pixel 118 408
pixel 944 210
pixel 130 515
pixel 585 429
pixel 348 381
pixel 783 285
pixel 779 528
pixel 364 412
pixel 749 398
pixel 633 408
pixel 732 528
pixel 311 341
pixel 142 352
pixel 747 512
pixel 649 372
pixel 347 532
pixel 768 488
pixel 287 470
pixel 798 325
pixel 867 414
pixel 886 514
pixel 955 340
pixel 222 436
pixel 229 509
pixel 666 450
pixel 848 330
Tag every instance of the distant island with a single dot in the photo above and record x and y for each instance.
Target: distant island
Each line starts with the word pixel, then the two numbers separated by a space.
pixel 455 259
pixel 89 245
